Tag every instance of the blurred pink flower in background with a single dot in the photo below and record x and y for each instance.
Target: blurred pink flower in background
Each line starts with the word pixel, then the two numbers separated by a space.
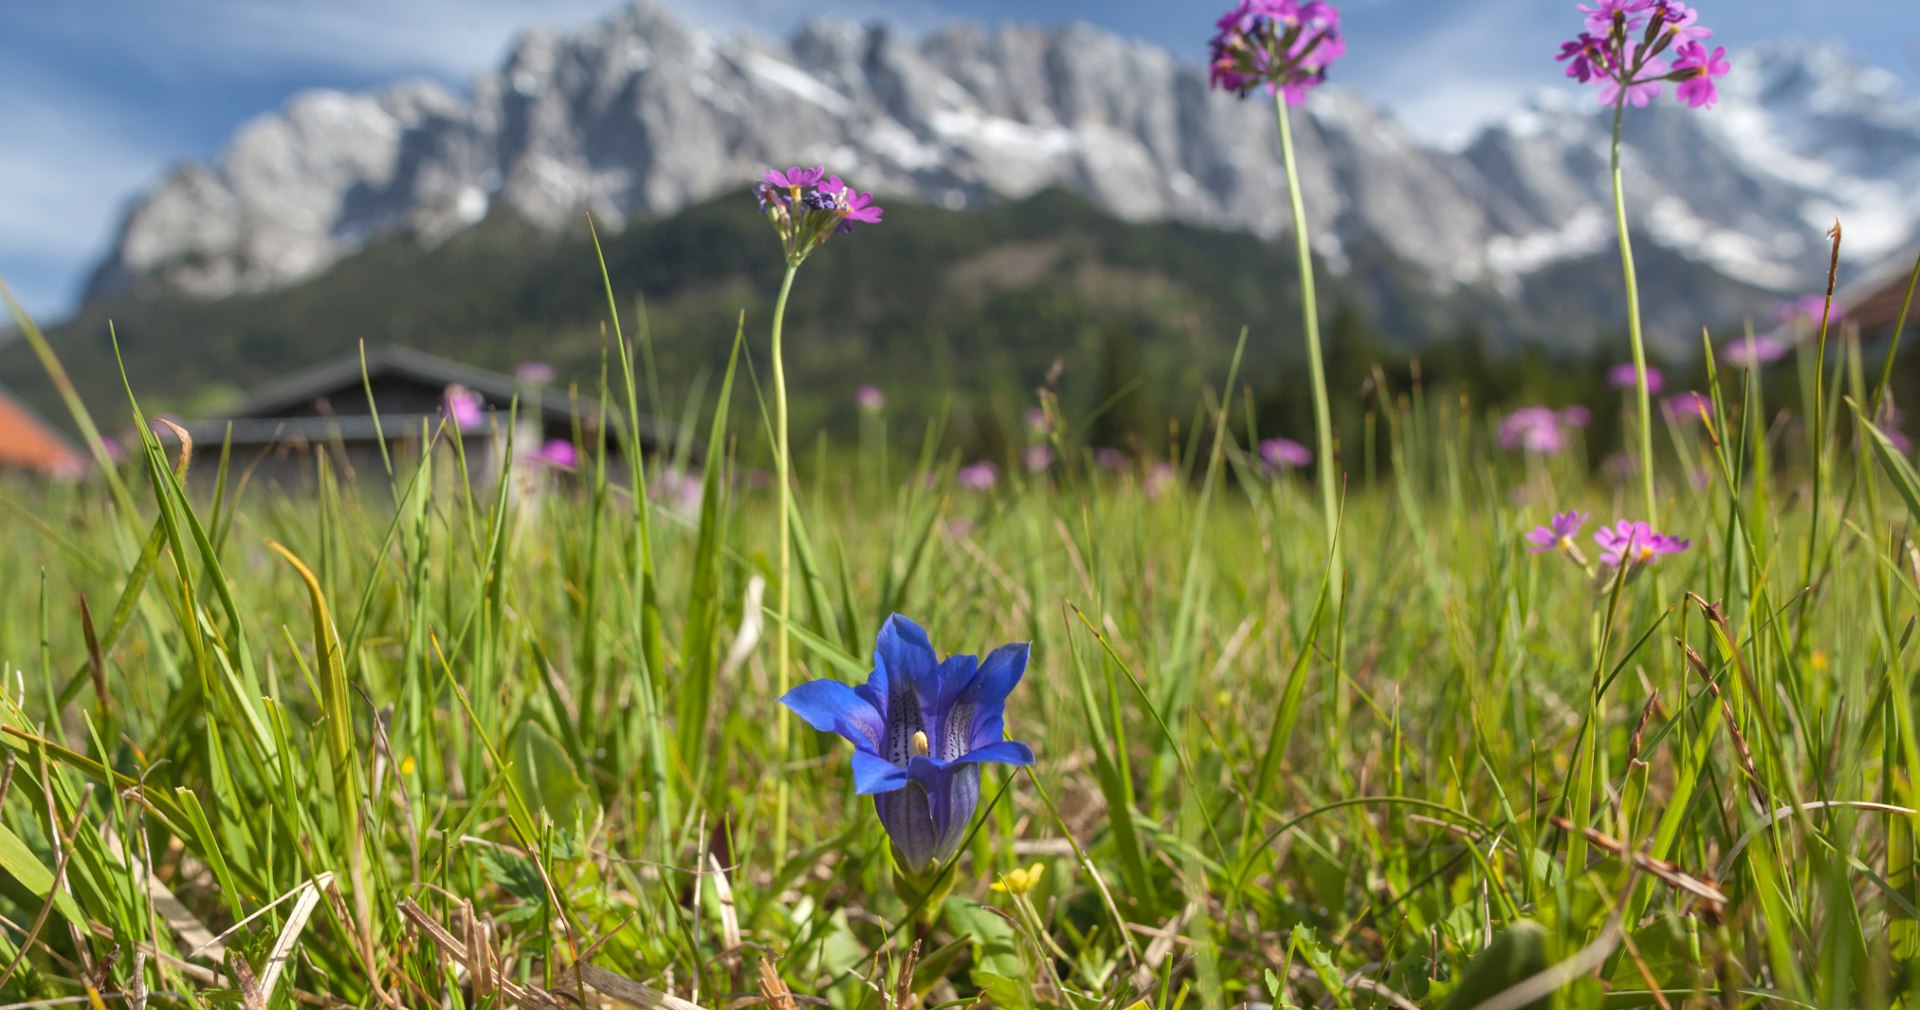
pixel 464 407
pixel 1622 376
pixel 1687 405
pixel 1285 452
pixel 1037 458
pixel 559 453
pixel 870 398
pixel 680 491
pixel 1535 429
pixel 1807 310
pixel 1161 477
pixel 1109 457
pixel 980 476
pixel 1757 351
pixel 534 373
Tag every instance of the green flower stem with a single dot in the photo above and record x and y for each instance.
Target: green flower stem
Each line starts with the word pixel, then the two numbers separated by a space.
pixel 1317 372
pixel 1633 320
pixel 782 647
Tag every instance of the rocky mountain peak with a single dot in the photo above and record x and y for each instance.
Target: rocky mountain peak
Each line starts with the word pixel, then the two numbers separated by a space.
pixel 641 115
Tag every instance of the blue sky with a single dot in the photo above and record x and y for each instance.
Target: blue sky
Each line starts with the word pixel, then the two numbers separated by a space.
pixel 97 98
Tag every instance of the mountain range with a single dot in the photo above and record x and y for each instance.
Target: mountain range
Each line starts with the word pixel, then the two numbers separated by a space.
pixel 641 116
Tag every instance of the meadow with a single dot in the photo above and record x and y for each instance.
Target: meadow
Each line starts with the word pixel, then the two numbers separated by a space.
pixel 1448 708
pixel 409 740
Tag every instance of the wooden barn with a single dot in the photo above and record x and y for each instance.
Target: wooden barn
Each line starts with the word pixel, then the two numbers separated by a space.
pixel 399 396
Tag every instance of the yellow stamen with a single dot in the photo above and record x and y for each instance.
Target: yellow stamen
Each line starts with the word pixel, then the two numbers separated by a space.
pixel 919 743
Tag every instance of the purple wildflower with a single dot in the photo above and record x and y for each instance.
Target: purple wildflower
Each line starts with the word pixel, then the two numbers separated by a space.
pixel 870 398
pixel 1622 376
pixel 981 476
pixel 804 219
pixel 1285 452
pixel 1754 351
pixel 464 407
pixel 859 206
pixel 1623 49
pixel 1635 543
pixel 1037 458
pixel 1536 429
pixel 1110 458
pixel 559 454
pixel 1283 45
pixel 1037 419
pixel 1582 50
pixel 533 373
pixel 1575 416
pixel 1695 69
pixel 1642 87
pixel 1558 533
pixel 1808 309
pixel 1680 22
pixel 681 491
pixel 1604 16
pixel 1687 405
pixel 1160 479
pixel 795 179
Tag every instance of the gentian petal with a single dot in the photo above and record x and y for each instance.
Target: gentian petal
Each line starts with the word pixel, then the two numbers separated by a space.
pixel 908 818
pixel 833 707
pixel 952 791
pixel 951 679
pixel 874 774
pixel 987 695
pixel 1006 752
pixel 903 650
pixel 904 666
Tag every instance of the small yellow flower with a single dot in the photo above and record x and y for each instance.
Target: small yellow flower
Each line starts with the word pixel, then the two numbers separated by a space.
pixel 1019 881
pixel 1821 661
pixel 406 765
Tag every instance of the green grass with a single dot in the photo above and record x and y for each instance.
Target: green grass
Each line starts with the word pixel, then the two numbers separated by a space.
pixel 322 726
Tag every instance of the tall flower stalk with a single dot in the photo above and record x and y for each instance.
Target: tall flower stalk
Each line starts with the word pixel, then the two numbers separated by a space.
pixel 1310 319
pixel 1623 50
pixel 1285 47
pixel 1643 396
pixel 806 207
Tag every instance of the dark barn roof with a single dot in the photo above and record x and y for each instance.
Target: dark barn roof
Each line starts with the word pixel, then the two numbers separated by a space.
pixel 329 401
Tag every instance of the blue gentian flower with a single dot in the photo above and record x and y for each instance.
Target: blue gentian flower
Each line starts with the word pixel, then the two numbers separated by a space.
pixel 920 729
